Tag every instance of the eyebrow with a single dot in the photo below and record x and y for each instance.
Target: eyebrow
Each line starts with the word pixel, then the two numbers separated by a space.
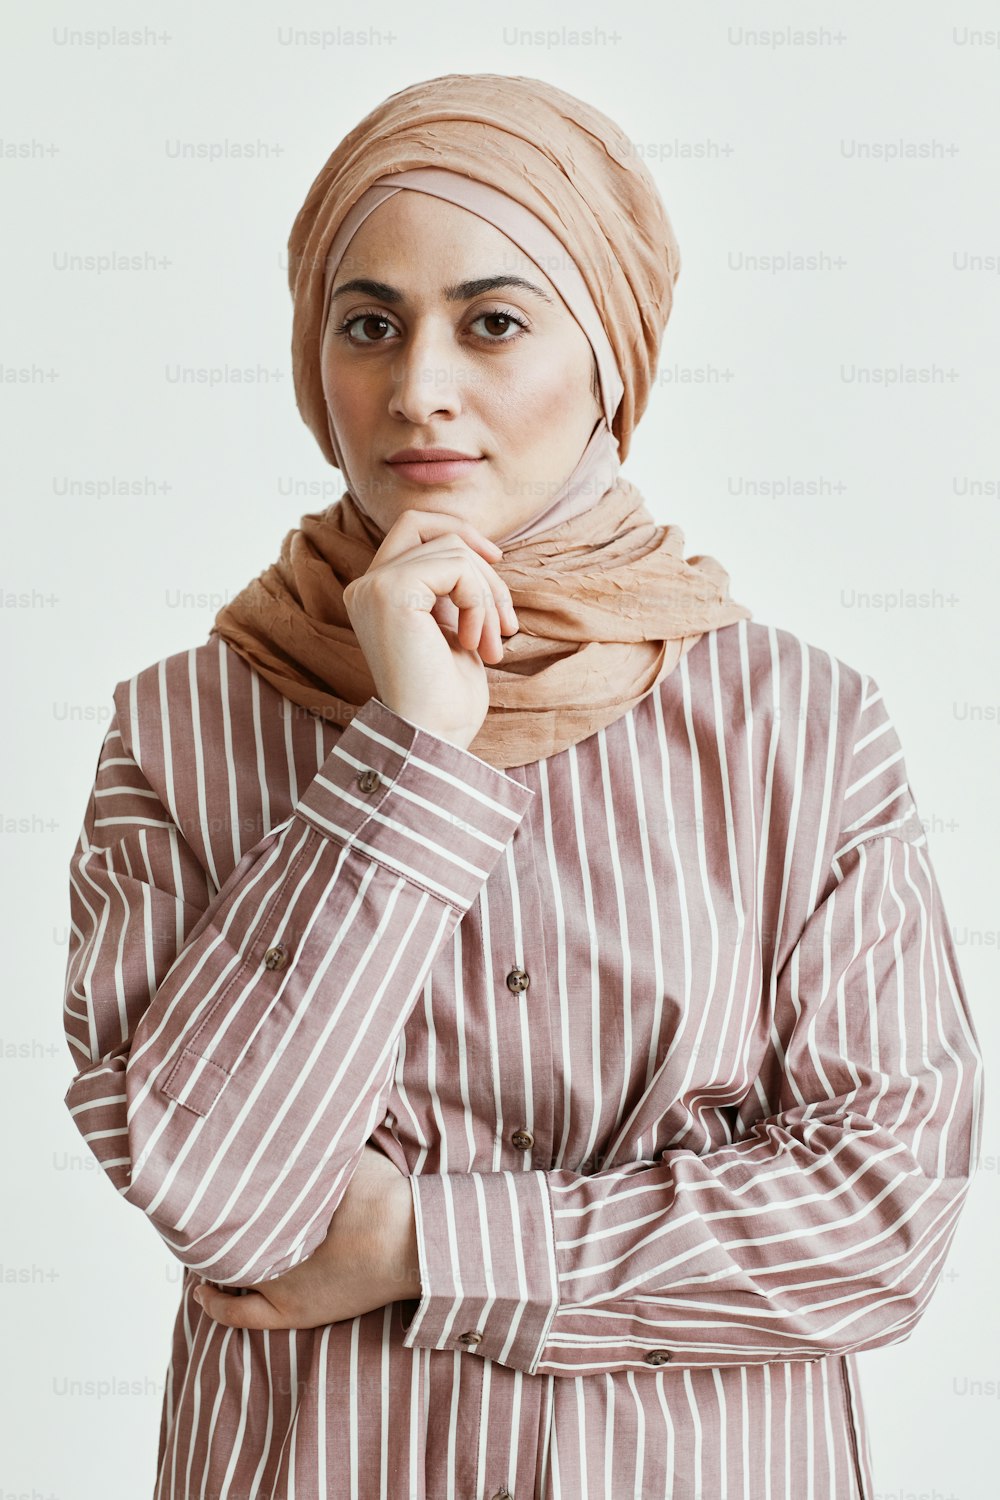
pixel 462 291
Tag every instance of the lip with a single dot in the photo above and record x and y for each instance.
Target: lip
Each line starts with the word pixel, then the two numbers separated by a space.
pixel 432 465
pixel 429 456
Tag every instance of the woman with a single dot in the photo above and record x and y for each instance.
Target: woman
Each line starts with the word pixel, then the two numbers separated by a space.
pixel 512 981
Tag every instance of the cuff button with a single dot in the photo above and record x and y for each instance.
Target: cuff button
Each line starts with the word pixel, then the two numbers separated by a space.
pixel 471 1338
pixel 369 780
pixel 657 1356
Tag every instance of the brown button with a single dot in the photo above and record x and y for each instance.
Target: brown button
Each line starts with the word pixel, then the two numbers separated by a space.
pixel 502 1494
pixel 522 1139
pixel 369 780
pixel 517 980
pixel 657 1356
pixel 276 957
pixel 473 1338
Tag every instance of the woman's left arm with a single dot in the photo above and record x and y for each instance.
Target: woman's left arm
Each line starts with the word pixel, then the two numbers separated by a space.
pixel 821 1230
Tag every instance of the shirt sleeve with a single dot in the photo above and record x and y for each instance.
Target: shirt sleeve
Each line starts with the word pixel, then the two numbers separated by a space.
pixel 236 1053
pixel 824 1227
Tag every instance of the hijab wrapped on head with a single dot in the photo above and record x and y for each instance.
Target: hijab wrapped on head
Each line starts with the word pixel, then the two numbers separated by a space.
pixel 606 602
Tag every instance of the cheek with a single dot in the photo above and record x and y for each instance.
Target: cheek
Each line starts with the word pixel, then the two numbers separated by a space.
pixel 552 391
pixel 349 403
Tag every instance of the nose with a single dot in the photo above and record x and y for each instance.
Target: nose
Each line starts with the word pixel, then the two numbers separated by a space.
pixel 428 375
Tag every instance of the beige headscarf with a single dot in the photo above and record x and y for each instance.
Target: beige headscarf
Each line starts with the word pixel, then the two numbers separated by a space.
pixel 606 602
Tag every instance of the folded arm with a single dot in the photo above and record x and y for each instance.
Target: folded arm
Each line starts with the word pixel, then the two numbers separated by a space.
pixel 236 1053
pixel 823 1229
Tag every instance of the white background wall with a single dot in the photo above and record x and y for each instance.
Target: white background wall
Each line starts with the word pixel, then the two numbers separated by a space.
pixel 125 490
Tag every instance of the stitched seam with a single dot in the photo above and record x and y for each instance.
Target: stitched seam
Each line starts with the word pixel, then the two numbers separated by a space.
pixel 418 884
pixel 191 1047
pixel 853 1425
pixel 188 1104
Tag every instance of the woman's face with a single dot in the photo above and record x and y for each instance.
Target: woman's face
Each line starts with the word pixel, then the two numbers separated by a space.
pixel 505 375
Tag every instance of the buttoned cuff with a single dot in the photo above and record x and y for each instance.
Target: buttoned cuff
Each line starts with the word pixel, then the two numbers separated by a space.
pixel 486 1247
pixel 432 812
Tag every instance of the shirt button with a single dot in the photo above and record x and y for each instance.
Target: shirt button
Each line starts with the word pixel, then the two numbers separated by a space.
pixel 503 1494
pixel 275 958
pixel 657 1356
pixel 473 1338
pixel 517 980
pixel 522 1139
pixel 369 780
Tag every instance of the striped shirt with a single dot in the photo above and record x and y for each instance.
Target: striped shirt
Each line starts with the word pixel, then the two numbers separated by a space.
pixel 666 1030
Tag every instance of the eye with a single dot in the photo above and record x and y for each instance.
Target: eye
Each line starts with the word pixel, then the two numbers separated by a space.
pixel 495 314
pixel 368 316
pixel 505 316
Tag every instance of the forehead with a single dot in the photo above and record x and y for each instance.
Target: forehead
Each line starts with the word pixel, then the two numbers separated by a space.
pixel 414 239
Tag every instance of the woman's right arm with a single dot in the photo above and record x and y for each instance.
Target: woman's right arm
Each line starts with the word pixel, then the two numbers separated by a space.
pixel 236 1053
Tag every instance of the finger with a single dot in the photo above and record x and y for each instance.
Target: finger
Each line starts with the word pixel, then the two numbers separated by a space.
pixel 454 572
pixel 502 610
pixel 250 1310
pixel 445 614
pixel 415 527
pixel 503 600
pixel 499 618
pixel 453 534
pixel 474 595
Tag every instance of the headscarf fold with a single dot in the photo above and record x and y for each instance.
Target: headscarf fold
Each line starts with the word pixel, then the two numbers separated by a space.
pixel 606 603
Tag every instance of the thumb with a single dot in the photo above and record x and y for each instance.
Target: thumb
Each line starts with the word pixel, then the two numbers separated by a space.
pixel 236 1310
pixel 445 612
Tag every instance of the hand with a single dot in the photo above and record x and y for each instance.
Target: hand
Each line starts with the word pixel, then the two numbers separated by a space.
pixel 368 1259
pixel 399 609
